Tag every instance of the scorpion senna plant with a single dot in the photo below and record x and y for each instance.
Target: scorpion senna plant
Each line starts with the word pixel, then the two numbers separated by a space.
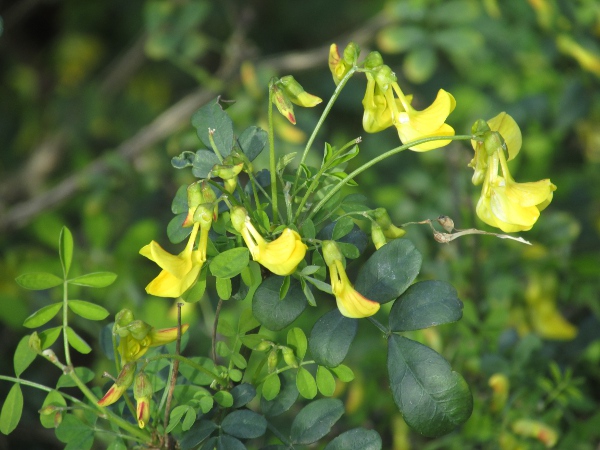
pixel 276 241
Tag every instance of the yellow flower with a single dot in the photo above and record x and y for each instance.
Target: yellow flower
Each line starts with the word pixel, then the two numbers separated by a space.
pixel 179 271
pixel 350 303
pixel 133 345
pixel 504 203
pixel 280 256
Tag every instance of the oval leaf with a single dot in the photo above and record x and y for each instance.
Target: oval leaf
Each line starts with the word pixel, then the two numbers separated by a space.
pixel 271 387
pixel 244 424
pixel 287 397
pixel 11 410
pixel 242 394
pixel 431 397
pixel 53 398
pixel 65 249
pixel 49 336
pixel 389 271
pixel 96 279
pixel 42 316
pixel 273 313
pixel 424 305
pixel 325 381
pixel 356 439
pixel 24 356
pixel 88 310
pixel 37 281
pixel 315 420
pixel 331 337
pixel 306 384
pixel 230 263
pixel 252 141
pixel 77 342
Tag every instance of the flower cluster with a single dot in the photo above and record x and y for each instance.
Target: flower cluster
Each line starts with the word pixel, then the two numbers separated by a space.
pixel 504 203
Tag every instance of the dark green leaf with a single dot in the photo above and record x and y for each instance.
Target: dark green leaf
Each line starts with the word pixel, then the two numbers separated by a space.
pixel 49 336
pixel 306 384
pixel 356 237
pixel 24 356
pixel 308 229
pixel 176 232
pixel 252 141
pixel 356 439
pixel 389 271
pixel 424 305
pixel 342 227
pixel 74 432
pixel 86 375
pixel 243 394
pixel 431 397
pixel 230 263
pixel 244 424
pixel 77 342
pixel 211 116
pixel 65 249
pixel 180 202
pixel 204 162
pixel 183 160
pixel 195 435
pixel 273 313
pixel 315 420
pixel 288 394
pixel 43 315
pixel 11 410
pixel 37 281
pixel 96 279
pixel 349 250
pixel 223 442
pixel 331 337
pixel 88 310
pixel 196 377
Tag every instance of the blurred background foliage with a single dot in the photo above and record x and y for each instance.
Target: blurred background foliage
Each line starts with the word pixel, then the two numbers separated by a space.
pixel 96 97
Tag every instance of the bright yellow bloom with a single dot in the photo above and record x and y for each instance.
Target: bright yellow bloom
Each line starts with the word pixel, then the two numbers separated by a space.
pixel 504 203
pixel 121 384
pixel 280 256
pixel 350 303
pixel 179 272
pixel 133 346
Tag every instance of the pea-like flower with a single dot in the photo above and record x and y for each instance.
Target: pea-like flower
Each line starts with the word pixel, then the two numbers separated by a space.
pixel 120 385
pixel 280 256
pixel 349 301
pixel 142 392
pixel 137 337
pixel 505 203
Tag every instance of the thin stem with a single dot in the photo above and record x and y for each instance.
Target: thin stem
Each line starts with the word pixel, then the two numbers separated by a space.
pixel 324 115
pixel 174 371
pixel 214 331
pixel 65 322
pixel 211 139
pixel 272 167
pixel 278 434
pixel 379 325
pixel 379 158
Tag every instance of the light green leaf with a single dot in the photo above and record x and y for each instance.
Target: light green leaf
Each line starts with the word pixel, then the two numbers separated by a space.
pixel 230 263
pixel 223 398
pixel 431 397
pixel 43 315
pixel 49 336
pixel 77 342
pixel 83 373
pixel 325 381
pixel 51 420
pixel 96 279
pixel 24 356
pixel 223 286
pixel 37 281
pixel 11 410
pixel 88 310
pixel 296 339
pixel 306 384
pixel 344 373
pixel 271 386
pixel 288 394
pixel 342 227
pixel 65 249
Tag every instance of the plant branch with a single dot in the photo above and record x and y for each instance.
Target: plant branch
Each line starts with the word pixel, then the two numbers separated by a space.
pixel 174 372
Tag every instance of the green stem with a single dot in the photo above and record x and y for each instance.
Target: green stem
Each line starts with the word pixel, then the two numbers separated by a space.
pixel 379 158
pixel 324 115
pixel 214 146
pixel 190 363
pixel 272 167
pixel 379 325
pixel 278 434
pixel 65 322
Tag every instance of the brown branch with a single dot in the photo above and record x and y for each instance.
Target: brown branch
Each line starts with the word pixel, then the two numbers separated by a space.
pixel 174 373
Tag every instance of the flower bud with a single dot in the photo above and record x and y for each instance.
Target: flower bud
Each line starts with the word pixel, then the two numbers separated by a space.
pixel 331 252
pixel 263 346
pixel 142 392
pixel 226 171
pixel 283 103
pixel 390 231
pixel 377 236
pixel 297 94
pixel 194 195
pixel 493 142
pixel 384 76
pixel 339 66
pixel 139 329
pixel 500 387
pixel 208 195
pixel 204 214
pixel 35 343
pixel 351 53
pixel 121 384
pixel 373 60
pixel 123 317
pixel 272 360
pixel 479 127
pixel 238 218
pixel 289 357
pixel 536 429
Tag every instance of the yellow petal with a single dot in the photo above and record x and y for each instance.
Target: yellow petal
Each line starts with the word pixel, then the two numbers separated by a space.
pixel 408 134
pixel 510 131
pixel 532 193
pixel 166 335
pixel 434 116
pixel 283 255
pixel 354 305
pixel 506 209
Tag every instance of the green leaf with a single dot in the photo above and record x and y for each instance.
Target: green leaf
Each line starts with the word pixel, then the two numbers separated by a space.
pixel 296 339
pixel 307 230
pixel 230 263
pixel 199 432
pixel 223 442
pixel 425 304
pixel 196 377
pixel 49 336
pixel 176 232
pixel 211 116
pixel 65 249
pixel 189 419
pixel 196 292
pixel 11 410
pixel 342 227
pixel 74 432
pixel 53 398
pixel 243 394
pixel 179 204
pixel 85 375
pixel 420 64
pixel 331 337
pixel 252 141
pixel 389 271
pixel 325 381
pixel 206 404
pixel 23 356
pixel 244 424
pixel 344 373
pixel 43 315
pixel 271 386
pixel 176 415
pixel 356 439
pixel 96 279
pixel 37 281
pixel 307 291
pixel 349 250
pixel 284 287
pixel 273 313
pixel 223 286
pixel 288 394
pixel 239 361
pixel 306 384
pixel 204 161
pixel 431 397
pixel 77 342
pixel 88 310
pixel 315 420
pixel 224 398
